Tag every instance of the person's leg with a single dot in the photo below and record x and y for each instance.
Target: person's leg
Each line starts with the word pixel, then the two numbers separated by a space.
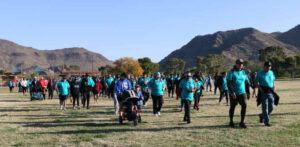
pixel 88 100
pixel 185 108
pixel 77 99
pixel 226 95
pixel 146 98
pixel 233 103
pixel 155 101
pixel 221 96
pixel 74 99
pixel 160 103
pixel 198 100
pixel 206 87
pixel 84 99
pixel 243 102
pixel 169 91
pixel 195 100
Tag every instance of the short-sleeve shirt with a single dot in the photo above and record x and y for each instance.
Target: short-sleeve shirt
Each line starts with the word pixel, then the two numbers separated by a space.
pixel 238 79
pixel 157 86
pixel 187 86
pixel 265 78
pixel 63 88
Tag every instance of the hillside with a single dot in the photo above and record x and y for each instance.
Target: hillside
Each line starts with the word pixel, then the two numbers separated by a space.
pixel 242 43
pixel 13 55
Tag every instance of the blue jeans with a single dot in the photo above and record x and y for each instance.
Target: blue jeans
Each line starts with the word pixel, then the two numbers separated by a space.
pixel 267 106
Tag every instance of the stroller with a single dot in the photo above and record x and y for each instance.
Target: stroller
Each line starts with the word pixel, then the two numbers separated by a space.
pixel 129 108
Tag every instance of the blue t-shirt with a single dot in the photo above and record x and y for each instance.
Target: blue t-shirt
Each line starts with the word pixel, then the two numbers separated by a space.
pixel 63 88
pixel 157 86
pixel 122 85
pixel 141 98
pixel 187 86
pixel 265 78
pixel 238 79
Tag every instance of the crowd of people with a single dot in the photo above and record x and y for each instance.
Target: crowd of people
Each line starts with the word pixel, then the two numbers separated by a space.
pixel 233 85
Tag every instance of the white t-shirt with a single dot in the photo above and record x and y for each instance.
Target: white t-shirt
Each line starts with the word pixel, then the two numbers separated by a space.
pixel 24 83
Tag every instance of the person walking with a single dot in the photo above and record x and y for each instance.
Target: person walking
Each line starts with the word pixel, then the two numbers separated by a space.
pixel 223 89
pixel 24 85
pixel 110 88
pixel 143 82
pixel 208 82
pixel 157 85
pixel 75 92
pixel 187 86
pixel 11 86
pixel 265 78
pixel 51 88
pixel 122 85
pixel 97 89
pixel 238 85
pixel 197 95
pixel 86 85
pixel 63 90
pixel 171 85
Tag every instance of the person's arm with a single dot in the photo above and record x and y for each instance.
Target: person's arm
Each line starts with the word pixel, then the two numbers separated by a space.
pixel 229 84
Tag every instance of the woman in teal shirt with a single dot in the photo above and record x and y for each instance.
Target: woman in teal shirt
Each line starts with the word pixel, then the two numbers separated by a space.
pixel 197 95
pixel 187 86
pixel 157 85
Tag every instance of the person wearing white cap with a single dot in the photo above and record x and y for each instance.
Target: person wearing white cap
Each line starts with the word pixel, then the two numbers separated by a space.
pixel 187 95
pixel 157 85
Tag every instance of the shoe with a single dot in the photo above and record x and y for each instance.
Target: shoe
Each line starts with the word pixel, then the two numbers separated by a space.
pixel 87 107
pixel 268 125
pixel 78 107
pixel 188 121
pixel 231 124
pixel 65 109
pixel 158 113
pixel 74 108
pixel 61 107
pixel 242 125
pixel 227 104
pixel 181 110
pixel 261 120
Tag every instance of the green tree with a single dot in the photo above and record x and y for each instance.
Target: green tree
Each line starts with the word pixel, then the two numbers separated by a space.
pixel 148 66
pixel 105 70
pixel 272 51
pixel 174 65
pixel 74 67
pixel 214 63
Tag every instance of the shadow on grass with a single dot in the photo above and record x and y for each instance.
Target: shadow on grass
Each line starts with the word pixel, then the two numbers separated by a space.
pixel 122 130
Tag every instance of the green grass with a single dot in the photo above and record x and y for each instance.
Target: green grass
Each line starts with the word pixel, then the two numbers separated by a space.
pixel 40 123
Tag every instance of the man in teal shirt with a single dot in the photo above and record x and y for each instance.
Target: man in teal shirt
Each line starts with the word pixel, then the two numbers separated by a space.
pixel 108 83
pixel 238 85
pixel 187 86
pixel 157 85
pixel 266 79
pixel 63 90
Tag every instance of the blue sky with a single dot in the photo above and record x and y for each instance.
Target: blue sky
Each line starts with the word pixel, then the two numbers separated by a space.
pixel 136 28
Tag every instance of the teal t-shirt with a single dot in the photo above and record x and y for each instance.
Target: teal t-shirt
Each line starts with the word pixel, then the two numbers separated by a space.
pixel 187 86
pixel 11 84
pixel 108 81
pixel 238 79
pixel 224 85
pixel 63 87
pixel 142 82
pixel 157 86
pixel 265 78
pixel 198 84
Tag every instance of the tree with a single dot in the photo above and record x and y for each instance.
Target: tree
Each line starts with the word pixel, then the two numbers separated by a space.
pixel 105 70
pixel 174 65
pixel 272 51
pixel 213 63
pixel 74 67
pixel 201 66
pixel 148 66
pixel 253 66
pixel 290 64
pixel 128 65
pixel 277 65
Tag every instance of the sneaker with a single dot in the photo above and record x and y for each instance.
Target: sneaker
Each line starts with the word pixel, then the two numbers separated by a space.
pixel 158 113
pixel 188 121
pixel 74 108
pixel 231 124
pixel 227 104
pixel 61 107
pixel 242 125
pixel 65 109
pixel 155 115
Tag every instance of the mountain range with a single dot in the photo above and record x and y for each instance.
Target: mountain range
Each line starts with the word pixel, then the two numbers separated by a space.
pixel 13 55
pixel 242 43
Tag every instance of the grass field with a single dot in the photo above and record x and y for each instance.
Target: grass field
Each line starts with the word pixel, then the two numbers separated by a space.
pixel 40 123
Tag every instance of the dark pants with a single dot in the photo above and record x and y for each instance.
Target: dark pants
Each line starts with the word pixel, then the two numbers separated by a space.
pixel 223 94
pixel 216 88
pixel 75 99
pixel 146 97
pixel 86 98
pixel 187 105
pixel 157 103
pixel 11 89
pixel 50 94
pixel 196 99
pixel 208 84
pixel 242 100
pixel 24 90
pixel 171 90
